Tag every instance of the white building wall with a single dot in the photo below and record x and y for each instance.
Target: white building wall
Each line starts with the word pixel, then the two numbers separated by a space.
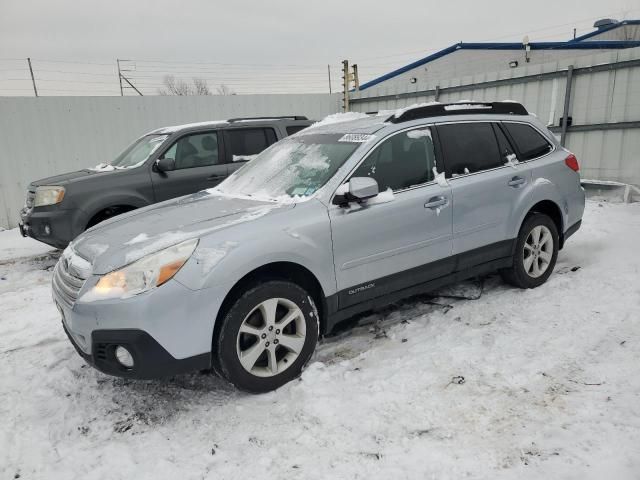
pixel 463 63
pixel 44 136
pixel 605 97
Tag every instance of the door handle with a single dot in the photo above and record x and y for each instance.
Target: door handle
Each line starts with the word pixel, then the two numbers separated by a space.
pixel 213 178
pixel 516 181
pixel 436 202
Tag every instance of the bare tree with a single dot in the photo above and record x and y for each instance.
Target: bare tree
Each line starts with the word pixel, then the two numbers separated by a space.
pixel 222 89
pixel 175 86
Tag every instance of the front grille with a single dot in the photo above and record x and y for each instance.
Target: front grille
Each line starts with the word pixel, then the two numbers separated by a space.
pixel 67 281
pixel 31 196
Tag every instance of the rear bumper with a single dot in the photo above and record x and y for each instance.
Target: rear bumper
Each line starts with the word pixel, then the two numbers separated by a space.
pixel 151 360
pixel 54 228
pixel 571 230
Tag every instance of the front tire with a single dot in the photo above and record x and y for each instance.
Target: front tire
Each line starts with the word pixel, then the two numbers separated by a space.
pixel 267 336
pixel 536 252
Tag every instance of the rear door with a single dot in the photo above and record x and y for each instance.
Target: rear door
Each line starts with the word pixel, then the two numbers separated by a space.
pixel 243 144
pixel 487 184
pixel 199 165
pixel 402 237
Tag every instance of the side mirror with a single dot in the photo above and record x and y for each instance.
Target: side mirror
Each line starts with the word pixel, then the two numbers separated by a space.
pixel 358 190
pixel 166 164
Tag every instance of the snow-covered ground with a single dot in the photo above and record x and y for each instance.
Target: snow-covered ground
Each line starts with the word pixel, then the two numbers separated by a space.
pixel 519 384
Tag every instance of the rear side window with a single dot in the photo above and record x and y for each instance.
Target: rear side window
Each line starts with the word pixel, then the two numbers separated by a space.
pixel 469 148
pixel 246 143
pixel 528 140
pixel 291 129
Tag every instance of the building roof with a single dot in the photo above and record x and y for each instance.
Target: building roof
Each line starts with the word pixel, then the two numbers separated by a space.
pixel 573 44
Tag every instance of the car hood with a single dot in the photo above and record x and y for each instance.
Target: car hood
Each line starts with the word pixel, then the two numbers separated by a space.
pixel 124 239
pixel 66 178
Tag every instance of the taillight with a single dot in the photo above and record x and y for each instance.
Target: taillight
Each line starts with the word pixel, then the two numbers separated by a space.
pixel 572 162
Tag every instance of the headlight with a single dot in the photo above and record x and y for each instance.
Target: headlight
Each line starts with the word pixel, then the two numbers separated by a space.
pixel 142 275
pixel 48 195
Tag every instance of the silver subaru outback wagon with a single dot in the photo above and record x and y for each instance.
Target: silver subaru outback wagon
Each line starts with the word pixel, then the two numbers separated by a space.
pixel 338 219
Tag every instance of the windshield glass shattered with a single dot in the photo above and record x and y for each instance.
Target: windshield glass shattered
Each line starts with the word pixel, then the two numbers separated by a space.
pixel 137 153
pixel 292 168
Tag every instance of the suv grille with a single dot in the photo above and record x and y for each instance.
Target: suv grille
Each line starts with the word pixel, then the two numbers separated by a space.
pixel 31 196
pixel 67 282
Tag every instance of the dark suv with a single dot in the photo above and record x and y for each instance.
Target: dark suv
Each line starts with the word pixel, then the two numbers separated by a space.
pixel 163 164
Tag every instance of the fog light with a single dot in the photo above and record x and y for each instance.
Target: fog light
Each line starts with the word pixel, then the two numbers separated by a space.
pixel 124 357
pixel 47 230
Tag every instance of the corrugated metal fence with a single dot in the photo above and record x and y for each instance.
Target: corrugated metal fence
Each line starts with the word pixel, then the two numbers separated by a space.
pixel 44 136
pixel 603 107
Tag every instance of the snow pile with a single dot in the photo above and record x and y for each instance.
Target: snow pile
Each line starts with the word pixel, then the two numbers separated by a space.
pixel 338 118
pixel 14 246
pixel 385 196
pixel 527 384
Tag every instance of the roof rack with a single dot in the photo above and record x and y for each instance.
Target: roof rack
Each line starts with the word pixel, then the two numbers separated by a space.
pixel 460 108
pixel 285 117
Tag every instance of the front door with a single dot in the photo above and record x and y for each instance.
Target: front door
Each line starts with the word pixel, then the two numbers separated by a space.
pixel 400 238
pixel 199 165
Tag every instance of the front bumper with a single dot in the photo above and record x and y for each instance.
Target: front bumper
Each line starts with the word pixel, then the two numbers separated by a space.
pixel 150 359
pixel 168 330
pixel 54 228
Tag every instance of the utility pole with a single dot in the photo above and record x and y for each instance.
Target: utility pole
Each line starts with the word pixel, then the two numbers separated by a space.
pixel 131 85
pixel 33 80
pixel 345 85
pixel 329 73
pixel 120 78
pixel 355 76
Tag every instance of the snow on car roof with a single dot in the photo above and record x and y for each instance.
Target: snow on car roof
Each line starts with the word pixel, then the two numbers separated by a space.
pixel 177 128
pixel 349 122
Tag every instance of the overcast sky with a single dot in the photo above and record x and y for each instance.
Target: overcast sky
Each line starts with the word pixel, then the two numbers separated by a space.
pixel 258 46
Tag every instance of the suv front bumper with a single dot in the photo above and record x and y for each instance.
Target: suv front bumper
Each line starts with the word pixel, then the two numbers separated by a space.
pixel 150 359
pixel 51 227
pixel 167 330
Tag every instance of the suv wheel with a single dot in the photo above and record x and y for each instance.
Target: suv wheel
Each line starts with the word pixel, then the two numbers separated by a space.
pixel 267 336
pixel 536 253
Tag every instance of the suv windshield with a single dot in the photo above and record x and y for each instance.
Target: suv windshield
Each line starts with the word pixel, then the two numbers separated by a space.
pixel 137 153
pixel 295 167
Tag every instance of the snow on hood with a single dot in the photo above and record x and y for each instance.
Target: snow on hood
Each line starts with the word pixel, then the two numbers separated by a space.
pixel 131 236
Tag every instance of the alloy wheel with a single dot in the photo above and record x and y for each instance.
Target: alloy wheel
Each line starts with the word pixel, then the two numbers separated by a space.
pixel 538 251
pixel 271 337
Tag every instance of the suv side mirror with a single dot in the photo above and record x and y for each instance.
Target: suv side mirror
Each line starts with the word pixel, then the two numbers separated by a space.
pixel 166 164
pixel 359 189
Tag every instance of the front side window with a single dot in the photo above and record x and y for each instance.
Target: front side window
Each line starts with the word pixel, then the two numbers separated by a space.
pixel 403 161
pixel 469 148
pixel 529 141
pixel 199 150
pixel 137 153
pixel 246 143
pixel 295 167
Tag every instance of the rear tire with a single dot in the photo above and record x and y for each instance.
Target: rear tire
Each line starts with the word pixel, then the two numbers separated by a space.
pixel 535 254
pixel 267 336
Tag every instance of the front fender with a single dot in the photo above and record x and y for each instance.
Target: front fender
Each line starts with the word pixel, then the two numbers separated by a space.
pixel 301 235
pixel 95 205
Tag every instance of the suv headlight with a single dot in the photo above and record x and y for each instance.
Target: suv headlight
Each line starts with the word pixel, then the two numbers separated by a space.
pixel 48 195
pixel 142 275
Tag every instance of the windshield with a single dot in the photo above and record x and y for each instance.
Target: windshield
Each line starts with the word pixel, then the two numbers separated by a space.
pixel 295 167
pixel 137 153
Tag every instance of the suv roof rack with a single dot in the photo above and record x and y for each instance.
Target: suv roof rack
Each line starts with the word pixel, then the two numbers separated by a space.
pixel 285 117
pixel 460 108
